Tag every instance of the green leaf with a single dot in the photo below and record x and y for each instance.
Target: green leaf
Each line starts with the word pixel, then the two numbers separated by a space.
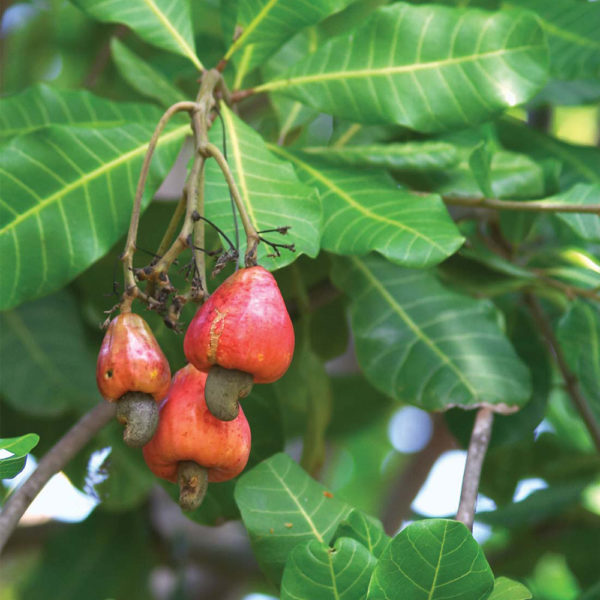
pixel 164 23
pixel 426 345
pixel 66 198
pixel 282 506
pixel 365 529
pixel 579 336
pixel 411 156
pixel 572 32
pixel 314 571
pixel 143 77
pixel 42 105
pixel 507 589
pixel 19 447
pixel 365 212
pixel 432 559
pixel 268 24
pixel 586 226
pixel 43 347
pixel 428 67
pixel 271 192
pixel 480 163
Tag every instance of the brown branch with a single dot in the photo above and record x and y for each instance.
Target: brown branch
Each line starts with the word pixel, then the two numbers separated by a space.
pixel 571 383
pixel 53 462
pixel 480 439
pixel 526 206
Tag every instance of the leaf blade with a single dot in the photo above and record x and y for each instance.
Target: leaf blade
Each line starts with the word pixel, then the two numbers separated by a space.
pixel 19 447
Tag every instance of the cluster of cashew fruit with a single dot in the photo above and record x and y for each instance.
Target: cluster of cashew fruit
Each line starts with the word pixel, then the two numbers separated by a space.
pixel 192 428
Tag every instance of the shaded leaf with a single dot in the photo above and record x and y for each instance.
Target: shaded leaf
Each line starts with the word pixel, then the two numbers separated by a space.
pixel 282 507
pixel 43 348
pixel 143 77
pixel 270 189
pixel 368 211
pixel 424 344
pixel 42 105
pixel 364 529
pixel 586 225
pixel 507 589
pixel 164 23
pixel 428 67
pixel 314 571
pixel 19 447
pixel 432 560
pixel 66 198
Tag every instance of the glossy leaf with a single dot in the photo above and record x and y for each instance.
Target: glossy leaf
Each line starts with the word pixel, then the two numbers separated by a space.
pixel 42 105
pixel 572 31
pixel 66 198
pixel 417 156
pixel 429 68
pixel 43 348
pixel 367 211
pixel 268 24
pixel 163 23
pixel 19 447
pixel 432 559
pixel 508 589
pixel 424 344
pixel 365 529
pixel 314 571
pixel 143 77
pixel 270 189
pixel 587 226
pixel 282 506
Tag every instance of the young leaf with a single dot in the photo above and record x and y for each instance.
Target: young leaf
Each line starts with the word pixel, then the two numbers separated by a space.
pixel 314 571
pixel 507 589
pixel 365 529
pixel 432 560
pixel 66 198
pixel 586 226
pixel 164 23
pixel 424 344
pixel 19 447
pixel 270 190
pixel 427 67
pixel 367 211
pixel 282 506
pixel 43 348
pixel 42 105
pixel 143 77
pixel 572 31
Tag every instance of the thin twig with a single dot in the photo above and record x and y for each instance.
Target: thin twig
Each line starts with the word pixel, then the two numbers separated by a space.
pixel 526 206
pixel 53 462
pixel 571 383
pixel 480 439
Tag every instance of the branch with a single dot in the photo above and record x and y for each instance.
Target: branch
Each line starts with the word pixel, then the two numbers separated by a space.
pixel 571 383
pixel 53 462
pixel 528 206
pixel 480 438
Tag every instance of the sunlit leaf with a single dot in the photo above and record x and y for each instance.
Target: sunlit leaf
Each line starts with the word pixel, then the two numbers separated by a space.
pixel 507 589
pixel 19 447
pixel 365 529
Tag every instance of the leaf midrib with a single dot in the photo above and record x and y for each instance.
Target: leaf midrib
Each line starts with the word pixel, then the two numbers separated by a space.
pixel 260 17
pixel 82 181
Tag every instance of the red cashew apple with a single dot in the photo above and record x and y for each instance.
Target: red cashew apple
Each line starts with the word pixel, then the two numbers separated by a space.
pixel 190 445
pixel 133 371
pixel 242 334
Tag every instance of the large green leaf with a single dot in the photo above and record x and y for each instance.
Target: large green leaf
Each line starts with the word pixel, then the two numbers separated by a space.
pixel 432 559
pixel 47 367
pixel 143 77
pixel 42 105
pixel 268 24
pixel 19 447
pixel 282 506
pixel 367 211
pixel 66 198
pixel 428 67
pixel 270 190
pixel 365 529
pixel 507 589
pixel 586 225
pixel 164 23
pixel 314 571
pixel 572 31
pixel 424 344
